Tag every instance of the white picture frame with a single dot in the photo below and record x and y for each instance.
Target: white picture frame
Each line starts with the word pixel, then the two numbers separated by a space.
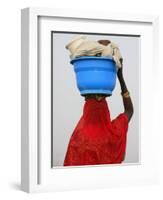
pixel 36 171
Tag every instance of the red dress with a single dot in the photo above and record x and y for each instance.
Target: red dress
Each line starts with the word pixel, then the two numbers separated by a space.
pixel 96 139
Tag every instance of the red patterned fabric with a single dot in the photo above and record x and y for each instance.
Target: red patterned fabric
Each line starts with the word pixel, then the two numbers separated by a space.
pixel 96 139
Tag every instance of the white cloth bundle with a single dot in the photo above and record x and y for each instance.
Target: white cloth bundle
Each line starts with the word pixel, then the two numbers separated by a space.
pixel 113 49
pixel 81 46
pixel 88 48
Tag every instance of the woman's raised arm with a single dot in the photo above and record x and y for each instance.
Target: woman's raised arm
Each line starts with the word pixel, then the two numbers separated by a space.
pixel 127 102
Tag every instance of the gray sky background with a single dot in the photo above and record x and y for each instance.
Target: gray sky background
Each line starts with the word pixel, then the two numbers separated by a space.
pixel 68 104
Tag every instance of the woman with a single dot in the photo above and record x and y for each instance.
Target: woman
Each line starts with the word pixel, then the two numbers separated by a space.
pixel 97 139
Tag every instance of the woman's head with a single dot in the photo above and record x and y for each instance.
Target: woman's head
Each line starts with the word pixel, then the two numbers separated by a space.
pixel 95 96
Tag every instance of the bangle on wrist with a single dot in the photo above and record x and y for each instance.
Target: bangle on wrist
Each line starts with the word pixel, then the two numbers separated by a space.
pixel 125 94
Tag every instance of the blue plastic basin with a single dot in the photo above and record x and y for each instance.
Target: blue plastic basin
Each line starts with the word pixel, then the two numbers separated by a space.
pixel 95 75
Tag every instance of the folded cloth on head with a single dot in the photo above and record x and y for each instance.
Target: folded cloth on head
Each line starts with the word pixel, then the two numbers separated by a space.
pixel 112 49
pixel 108 51
pixel 75 43
pixel 81 46
pixel 88 48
